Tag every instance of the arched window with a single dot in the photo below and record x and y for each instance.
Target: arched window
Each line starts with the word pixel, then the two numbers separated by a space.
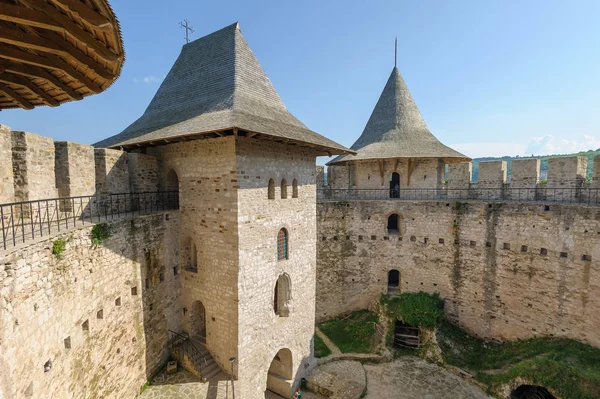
pixel 393 224
pixel 282 245
pixel 393 282
pixel 271 189
pixel 295 188
pixel 395 185
pixel 190 255
pixel 283 189
pixel 282 296
pixel 172 183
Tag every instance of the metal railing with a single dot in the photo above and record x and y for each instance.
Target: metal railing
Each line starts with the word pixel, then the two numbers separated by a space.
pixel 181 345
pixel 584 196
pixel 22 221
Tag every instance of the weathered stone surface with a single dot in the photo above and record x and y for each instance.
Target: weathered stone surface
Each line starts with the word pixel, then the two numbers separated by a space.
pixel 78 311
pixel 410 377
pixel 75 169
pixel 33 166
pixel 7 191
pixel 541 284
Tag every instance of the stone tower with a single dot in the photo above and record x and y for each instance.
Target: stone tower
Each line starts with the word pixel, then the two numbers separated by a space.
pixel 245 170
pixel 395 149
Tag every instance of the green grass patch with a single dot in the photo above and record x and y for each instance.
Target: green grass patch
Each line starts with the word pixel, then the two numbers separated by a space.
pixel 100 232
pixel 417 309
pixel 570 368
pixel 321 350
pixel 58 247
pixel 354 333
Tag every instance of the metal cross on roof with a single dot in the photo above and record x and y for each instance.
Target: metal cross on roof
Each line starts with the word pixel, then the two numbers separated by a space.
pixel 188 29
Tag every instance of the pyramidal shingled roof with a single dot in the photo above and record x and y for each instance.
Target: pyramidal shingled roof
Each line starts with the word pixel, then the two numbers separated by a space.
pixel 217 84
pixel 396 129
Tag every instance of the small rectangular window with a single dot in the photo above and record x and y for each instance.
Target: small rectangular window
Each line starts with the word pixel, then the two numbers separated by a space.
pixel 133 290
pixel 67 342
pixel 563 254
pixel 543 251
pixel 100 314
pixel 425 240
pixel 586 258
pixel 118 301
pixel 523 248
pixel 472 243
pixel 506 245
pixel 413 238
pixel 441 241
pixel 85 326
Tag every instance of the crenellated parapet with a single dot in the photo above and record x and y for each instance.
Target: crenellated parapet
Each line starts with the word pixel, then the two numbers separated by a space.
pixel 566 181
pixel 34 167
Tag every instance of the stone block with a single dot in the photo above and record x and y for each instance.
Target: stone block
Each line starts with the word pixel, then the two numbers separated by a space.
pixel 459 175
pixel 525 173
pixel 75 169
pixel 7 190
pixel 33 166
pixel 492 174
pixel 566 172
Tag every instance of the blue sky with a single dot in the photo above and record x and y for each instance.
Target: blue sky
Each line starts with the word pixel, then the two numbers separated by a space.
pixel 491 78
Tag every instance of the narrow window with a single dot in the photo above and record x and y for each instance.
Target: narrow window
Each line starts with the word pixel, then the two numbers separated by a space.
pixel 47 366
pixel 524 248
pixel 283 189
pixel 395 185
pixel 271 192
pixel 100 314
pixel 118 301
pixel 586 258
pixel 282 245
pixel 133 290
pixel 67 342
pixel 393 282
pixel 85 326
pixel 282 296
pixel 543 251
pixel 506 245
pixel 393 226
pixel 441 240
pixel 295 188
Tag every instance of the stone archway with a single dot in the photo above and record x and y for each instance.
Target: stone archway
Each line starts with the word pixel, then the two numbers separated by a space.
pixel 198 320
pixel 281 374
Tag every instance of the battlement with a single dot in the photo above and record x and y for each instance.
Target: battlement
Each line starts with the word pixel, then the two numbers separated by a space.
pixel 33 167
pixel 563 172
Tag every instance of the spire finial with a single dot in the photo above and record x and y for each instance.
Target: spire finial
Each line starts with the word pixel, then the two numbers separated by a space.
pixel 396 53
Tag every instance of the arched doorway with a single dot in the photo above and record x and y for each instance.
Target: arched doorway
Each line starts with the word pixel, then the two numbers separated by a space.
pixel 393 282
pixel 531 392
pixel 393 225
pixel 280 377
pixel 198 320
pixel 395 185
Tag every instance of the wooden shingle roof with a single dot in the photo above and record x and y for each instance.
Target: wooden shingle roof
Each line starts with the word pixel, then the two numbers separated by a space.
pixel 217 86
pixel 396 129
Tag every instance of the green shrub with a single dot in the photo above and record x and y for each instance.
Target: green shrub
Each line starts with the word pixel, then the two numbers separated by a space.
pixel 417 309
pixel 354 333
pixel 571 369
pixel 58 247
pixel 100 232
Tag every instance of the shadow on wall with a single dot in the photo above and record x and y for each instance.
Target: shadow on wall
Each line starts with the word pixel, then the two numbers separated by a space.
pixel 123 294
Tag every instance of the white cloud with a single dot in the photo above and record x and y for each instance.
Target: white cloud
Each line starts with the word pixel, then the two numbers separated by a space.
pixel 146 79
pixel 542 145
pixel 549 144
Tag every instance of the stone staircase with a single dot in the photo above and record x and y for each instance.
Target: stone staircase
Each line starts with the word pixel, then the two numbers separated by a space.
pixel 192 354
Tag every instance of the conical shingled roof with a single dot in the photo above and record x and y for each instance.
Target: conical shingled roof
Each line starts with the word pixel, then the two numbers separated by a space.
pixel 396 129
pixel 217 84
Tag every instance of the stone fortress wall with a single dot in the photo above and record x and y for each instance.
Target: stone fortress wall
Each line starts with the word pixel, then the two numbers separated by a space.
pixel 94 321
pixel 507 269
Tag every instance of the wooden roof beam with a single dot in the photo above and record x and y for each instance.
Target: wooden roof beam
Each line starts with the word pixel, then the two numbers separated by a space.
pixel 48 17
pixel 50 42
pixel 24 82
pixel 85 12
pixel 26 16
pixel 49 61
pixel 23 103
pixel 41 73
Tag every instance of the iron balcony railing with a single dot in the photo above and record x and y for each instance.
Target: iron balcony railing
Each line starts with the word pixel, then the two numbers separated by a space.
pixel 584 196
pixel 22 221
